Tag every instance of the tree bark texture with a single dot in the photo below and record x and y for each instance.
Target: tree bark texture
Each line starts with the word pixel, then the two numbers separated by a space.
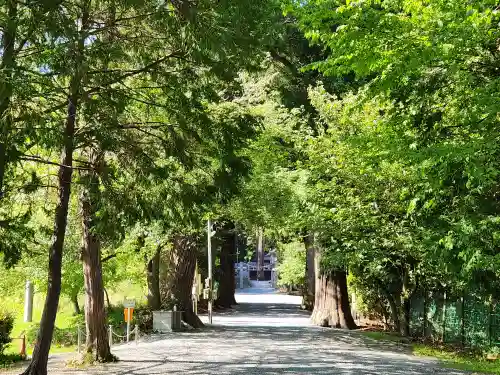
pixel 153 277
pixel 177 283
pixel 405 317
pixel 226 298
pixel 308 297
pixel 393 305
pixel 7 71
pixel 97 341
pixel 38 365
pixel 331 303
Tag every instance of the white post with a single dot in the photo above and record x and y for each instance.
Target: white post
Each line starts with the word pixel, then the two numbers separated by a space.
pixel 195 300
pixel 209 247
pixel 110 336
pixel 28 302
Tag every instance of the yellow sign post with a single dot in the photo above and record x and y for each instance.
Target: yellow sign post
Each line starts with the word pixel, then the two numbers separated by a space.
pixel 128 311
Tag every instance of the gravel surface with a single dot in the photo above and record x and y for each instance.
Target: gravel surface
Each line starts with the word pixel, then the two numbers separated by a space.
pixel 265 334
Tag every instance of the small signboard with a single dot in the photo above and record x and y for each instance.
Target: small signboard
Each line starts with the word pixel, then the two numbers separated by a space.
pixel 128 313
pixel 129 303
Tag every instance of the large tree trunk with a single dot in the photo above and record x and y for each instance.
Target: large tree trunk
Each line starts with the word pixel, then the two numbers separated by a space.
pixel 226 276
pixel 308 295
pixel 405 317
pixel 38 365
pixel 260 254
pixel 344 306
pixel 178 279
pixel 331 303
pixel 7 68
pixel 95 313
pixel 394 307
pixel 153 277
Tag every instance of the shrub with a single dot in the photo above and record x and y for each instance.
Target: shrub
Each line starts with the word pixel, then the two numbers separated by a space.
pixel 144 318
pixel 61 336
pixel 8 359
pixel 6 325
pixel 116 317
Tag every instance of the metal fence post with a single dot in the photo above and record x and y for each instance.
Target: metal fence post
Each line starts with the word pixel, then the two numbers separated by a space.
pixel 490 323
pixel 444 317
pixel 463 322
pixel 79 339
pixel 110 336
pixel 424 321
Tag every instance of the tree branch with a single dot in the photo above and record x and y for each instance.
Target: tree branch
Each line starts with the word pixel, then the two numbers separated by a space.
pixel 111 256
pixel 133 73
pixel 112 82
pixel 38 159
pixel 147 124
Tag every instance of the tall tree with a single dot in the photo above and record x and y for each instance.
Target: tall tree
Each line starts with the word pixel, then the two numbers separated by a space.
pixel 38 364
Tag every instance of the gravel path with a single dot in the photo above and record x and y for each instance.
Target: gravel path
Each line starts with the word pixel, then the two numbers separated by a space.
pixel 265 334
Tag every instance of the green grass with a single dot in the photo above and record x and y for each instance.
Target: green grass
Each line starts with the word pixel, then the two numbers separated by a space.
pixel 448 357
pixel 385 336
pixel 457 360
pixel 65 320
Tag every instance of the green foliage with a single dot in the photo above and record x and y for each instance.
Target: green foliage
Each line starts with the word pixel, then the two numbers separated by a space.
pixel 292 265
pixel 7 360
pixel 372 125
pixel 62 337
pixel 6 325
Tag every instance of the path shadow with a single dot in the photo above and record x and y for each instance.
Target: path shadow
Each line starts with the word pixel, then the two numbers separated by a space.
pixel 240 345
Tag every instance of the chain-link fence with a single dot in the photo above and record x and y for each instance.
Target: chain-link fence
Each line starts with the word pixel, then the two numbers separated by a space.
pixel 468 321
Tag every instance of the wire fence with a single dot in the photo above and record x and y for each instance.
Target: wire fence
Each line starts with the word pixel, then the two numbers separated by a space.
pixel 469 321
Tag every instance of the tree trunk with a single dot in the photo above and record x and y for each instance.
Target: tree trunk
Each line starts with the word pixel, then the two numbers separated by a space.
pixel 76 306
pixel 153 277
pixel 38 365
pixel 394 310
pixel 331 303
pixel 95 312
pixel 7 69
pixel 260 254
pixel 344 306
pixel 108 303
pixel 405 317
pixel 178 280
pixel 406 294
pixel 226 298
pixel 308 297
pixel 325 313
